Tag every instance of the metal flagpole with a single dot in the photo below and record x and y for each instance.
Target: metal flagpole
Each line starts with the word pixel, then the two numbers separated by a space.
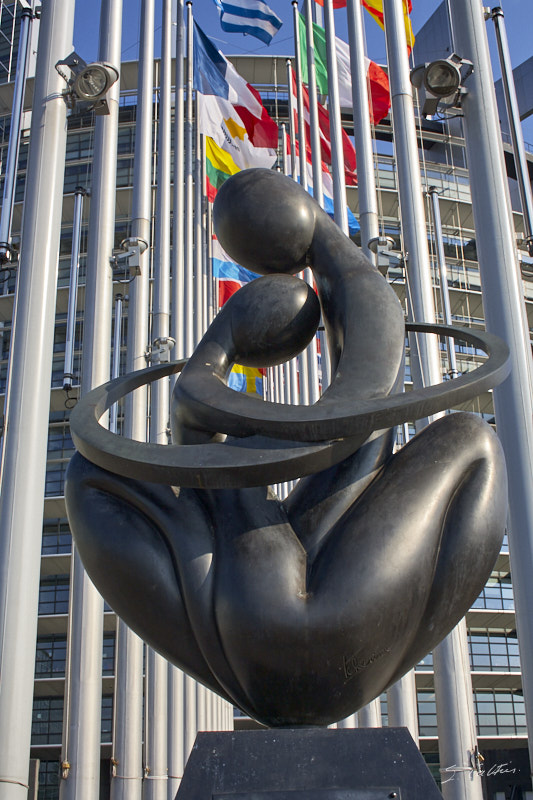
pixel 366 178
pixel 10 177
pixel 188 314
pixel 313 107
pixel 299 98
pixel 156 750
pixel 179 322
pixel 443 275
pixel 81 753
pixel 453 687
pixel 199 299
pixel 126 781
pixel 176 729
pixel 70 336
pixel 402 707
pixel 178 316
pixel 505 315
pixel 292 133
pixel 115 363
pixel 335 127
pixel 513 115
pixel 28 401
pixel 370 715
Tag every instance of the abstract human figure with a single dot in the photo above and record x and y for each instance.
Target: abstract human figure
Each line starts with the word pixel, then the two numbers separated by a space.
pixel 301 611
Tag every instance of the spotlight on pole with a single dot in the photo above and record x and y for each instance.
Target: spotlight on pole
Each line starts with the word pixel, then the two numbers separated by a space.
pixel 88 84
pixel 439 83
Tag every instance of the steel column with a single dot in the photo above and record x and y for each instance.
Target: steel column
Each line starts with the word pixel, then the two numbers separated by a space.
pixel 366 179
pixel 505 315
pixel 81 745
pixel 452 683
pixel 28 401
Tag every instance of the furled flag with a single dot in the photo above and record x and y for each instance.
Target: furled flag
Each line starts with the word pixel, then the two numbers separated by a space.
pixel 230 277
pixel 375 9
pixel 252 17
pixel 327 188
pixel 325 138
pixel 378 82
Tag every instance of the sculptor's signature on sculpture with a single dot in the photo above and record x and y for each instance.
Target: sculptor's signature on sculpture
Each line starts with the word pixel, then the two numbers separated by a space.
pixel 496 769
pixel 353 666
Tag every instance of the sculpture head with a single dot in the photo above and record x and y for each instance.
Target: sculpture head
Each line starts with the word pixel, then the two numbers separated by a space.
pixel 264 221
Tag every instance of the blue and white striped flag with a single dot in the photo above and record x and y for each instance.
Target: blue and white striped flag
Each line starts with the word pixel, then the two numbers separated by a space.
pixel 248 16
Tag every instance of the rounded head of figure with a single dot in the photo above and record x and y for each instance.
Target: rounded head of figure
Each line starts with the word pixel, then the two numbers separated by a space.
pixel 265 221
pixel 272 320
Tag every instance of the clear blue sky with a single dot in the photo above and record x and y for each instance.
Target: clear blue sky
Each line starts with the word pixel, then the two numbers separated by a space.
pixel 518 20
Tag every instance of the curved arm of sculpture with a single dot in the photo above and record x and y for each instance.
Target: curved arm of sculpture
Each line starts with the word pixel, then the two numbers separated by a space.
pixel 255 461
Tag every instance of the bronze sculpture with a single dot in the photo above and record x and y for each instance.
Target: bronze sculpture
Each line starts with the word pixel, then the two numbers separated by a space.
pixel 301 611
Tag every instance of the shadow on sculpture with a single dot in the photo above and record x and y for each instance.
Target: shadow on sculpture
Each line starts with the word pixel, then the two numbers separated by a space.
pixel 302 611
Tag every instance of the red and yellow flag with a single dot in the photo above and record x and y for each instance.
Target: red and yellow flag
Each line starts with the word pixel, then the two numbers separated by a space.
pixel 375 9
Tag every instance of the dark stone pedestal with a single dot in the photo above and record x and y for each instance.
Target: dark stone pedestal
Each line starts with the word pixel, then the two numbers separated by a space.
pixel 307 764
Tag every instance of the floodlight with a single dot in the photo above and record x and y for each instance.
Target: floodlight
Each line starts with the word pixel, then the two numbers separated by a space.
pixel 88 84
pixel 93 81
pixel 442 78
pixel 439 83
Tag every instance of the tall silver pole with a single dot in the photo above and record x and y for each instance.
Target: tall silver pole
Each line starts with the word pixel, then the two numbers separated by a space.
pixel 115 362
pixel 443 275
pixel 199 299
pixel 453 687
pixel 178 286
pixel 155 787
pixel 189 194
pixel 505 315
pixel 179 322
pixel 370 715
pixel 28 400
pixel 126 782
pixel 299 98
pixel 366 178
pixel 83 713
pixel 313 106
pixel 10 177
pixel 513 115
pixel 292 133
pixel 402 705
pixel 335 127
pixel 68 368
pixel 176 729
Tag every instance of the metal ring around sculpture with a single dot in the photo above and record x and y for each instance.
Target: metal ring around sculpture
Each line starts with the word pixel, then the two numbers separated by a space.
pixel 257 460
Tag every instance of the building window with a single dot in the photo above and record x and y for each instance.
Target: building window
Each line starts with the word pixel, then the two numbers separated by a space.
pixel 50 657
pixel 53 595
pixel 108 659
pixel 47 720
pixel 56 537
pixel 48 780
pixel 494 651
pixel 427 713
pixel 55 478
pixel 500 713
pixel 497 594
pixel 107 718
